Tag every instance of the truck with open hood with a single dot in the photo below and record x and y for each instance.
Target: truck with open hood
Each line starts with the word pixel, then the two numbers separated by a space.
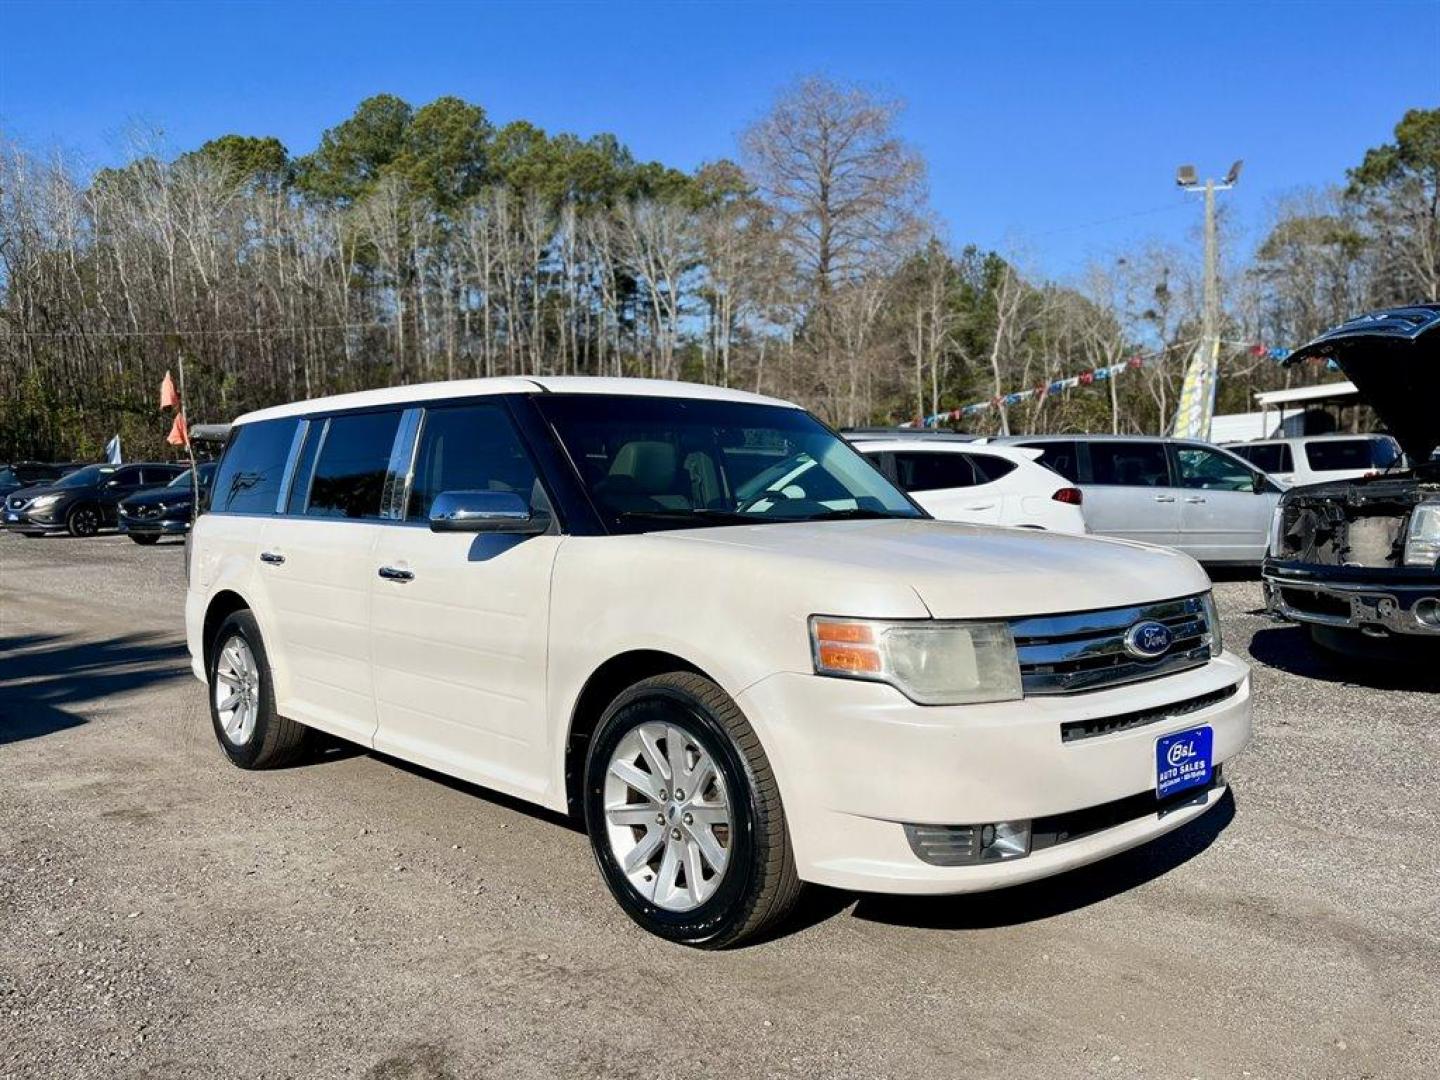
pixel 1358 561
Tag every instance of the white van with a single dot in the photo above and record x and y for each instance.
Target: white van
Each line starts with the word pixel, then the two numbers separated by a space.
pixel 616 598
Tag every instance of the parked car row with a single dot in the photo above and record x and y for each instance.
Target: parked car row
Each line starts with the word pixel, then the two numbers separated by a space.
pixel 23 474
pixel 84 501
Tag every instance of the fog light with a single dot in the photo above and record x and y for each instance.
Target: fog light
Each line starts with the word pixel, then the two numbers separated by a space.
pixel 1427 613
pixel 965 845
pixel 1005 840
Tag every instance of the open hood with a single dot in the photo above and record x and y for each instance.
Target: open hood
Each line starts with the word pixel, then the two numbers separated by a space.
pixel 1393 358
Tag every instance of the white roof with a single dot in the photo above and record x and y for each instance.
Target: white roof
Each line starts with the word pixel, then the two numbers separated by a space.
pixel 1296 394
pixel 1017 454
pixel 461 388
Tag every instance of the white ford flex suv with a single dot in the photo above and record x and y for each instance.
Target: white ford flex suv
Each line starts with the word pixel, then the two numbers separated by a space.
pixel 618 598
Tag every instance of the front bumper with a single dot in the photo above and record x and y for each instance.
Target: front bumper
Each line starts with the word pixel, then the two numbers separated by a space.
pixel 154 526
pixel 49 520
pixel 1374 606
pixel 857 762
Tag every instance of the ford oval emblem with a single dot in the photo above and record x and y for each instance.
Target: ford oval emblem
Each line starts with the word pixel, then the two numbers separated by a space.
pixel 1148 640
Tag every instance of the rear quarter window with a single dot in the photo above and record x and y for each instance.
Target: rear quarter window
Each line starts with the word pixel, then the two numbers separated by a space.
pixel 249 475
pixel 1336 455
pixel 1060 457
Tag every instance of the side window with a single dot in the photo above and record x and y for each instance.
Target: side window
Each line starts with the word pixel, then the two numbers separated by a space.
pixel 349 476
pixel 248 478
pixel 1129 464
pixel 933 470
pixel 1267 457
pixel 304 467
pixel 1060 457
pixel 1201 468
pixel 989 468
pixel 126 478
pixel 471 448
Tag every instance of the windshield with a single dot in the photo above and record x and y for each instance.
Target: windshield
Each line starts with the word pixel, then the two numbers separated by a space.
pixel 651 463
pixel 183 480
pixel 7 476
pixel 1337 455
pixel 86 477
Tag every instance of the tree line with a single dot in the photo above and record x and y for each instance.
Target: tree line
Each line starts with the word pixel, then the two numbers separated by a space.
pixel 427 243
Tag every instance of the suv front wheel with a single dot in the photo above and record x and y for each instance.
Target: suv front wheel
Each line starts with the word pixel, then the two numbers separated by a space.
pixel 242 699
pixel 684 814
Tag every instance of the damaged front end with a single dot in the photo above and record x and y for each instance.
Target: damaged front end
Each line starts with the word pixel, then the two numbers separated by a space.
pixel 1360 554
pixel 1365 554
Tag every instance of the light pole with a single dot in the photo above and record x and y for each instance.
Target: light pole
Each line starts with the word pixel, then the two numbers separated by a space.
pixel 1197 395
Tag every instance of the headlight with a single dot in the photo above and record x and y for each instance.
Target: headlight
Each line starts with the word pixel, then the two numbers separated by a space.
pixel 1422 538
pixel 1212 616
pixel 931 663
pixel 45 501
pixel 1277 522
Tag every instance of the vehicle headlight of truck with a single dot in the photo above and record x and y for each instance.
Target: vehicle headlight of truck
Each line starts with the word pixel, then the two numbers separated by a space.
pixel 1277 523
pixel 1422 538
pixel 931 663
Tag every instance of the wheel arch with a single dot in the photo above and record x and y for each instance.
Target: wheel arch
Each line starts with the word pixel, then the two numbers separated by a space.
pixel 602 687
pixel 222 605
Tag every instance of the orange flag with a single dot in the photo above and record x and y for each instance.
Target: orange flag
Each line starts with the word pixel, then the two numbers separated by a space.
pixel 169 399
pixel 179 433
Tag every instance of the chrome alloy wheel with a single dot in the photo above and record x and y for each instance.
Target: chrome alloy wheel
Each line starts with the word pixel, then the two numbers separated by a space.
pixel 237 690
pixel 667 816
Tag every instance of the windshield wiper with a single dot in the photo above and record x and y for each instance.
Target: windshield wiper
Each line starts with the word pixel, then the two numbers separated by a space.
pixel 856 513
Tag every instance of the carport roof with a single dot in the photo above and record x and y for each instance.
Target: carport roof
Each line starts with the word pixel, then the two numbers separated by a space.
pixel 1306 395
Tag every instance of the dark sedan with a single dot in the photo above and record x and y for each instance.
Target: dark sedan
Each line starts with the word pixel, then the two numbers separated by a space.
pixel 83 502
pixel 164 511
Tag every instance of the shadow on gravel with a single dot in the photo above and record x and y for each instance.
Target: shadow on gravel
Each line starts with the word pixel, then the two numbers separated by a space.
pixel 1233 573
pixel 43 677
pixel 1288 649
pixel 1057 895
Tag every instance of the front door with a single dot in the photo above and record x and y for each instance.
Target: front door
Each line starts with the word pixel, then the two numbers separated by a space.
pixel 460 621
pixel 1129 494
pixel 1225 509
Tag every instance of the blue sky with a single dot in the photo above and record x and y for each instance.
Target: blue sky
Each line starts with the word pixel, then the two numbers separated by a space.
pixel 1052 127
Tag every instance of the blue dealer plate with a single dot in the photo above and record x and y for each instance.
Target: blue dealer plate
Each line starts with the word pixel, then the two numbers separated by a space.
pixel 1183 760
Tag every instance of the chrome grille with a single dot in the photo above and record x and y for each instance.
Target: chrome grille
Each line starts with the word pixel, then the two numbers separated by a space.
pixel 1067 654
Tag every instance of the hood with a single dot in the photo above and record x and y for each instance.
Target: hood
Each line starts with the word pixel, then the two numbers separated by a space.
pixel 970 571
pixel 180 496
pixel 34 491
pixel 1393 358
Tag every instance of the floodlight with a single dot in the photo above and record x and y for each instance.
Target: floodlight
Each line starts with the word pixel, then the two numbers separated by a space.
pixel 1185 176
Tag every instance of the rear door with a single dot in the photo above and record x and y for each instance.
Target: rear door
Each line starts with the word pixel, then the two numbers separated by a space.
pixel 460 620
pixel 1225 505
pixel 120 484
pixel 1129 492
pixel 947 484
pixel 315 562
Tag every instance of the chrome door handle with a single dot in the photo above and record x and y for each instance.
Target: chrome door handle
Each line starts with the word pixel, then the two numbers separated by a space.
pixel 274 558
pixel 1164 498
pixel 393 573
pixel 1193 499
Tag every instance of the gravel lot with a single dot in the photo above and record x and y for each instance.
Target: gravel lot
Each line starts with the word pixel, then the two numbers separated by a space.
pixel 163 914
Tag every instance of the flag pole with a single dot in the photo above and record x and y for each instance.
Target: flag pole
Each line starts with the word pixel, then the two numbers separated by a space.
pixel 189 446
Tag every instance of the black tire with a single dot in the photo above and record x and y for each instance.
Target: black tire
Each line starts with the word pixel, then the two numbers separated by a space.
pixel 760 885
pixel 142 538
pixel 83 520
pixel 276 740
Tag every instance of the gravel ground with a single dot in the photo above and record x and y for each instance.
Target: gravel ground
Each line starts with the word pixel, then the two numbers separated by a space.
pixel 163 914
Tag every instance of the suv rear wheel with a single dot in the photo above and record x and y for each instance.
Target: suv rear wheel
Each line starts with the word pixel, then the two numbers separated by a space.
pixel 684 814
pixel 242 699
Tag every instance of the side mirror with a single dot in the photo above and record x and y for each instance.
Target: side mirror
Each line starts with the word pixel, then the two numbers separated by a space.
pixel 485 511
